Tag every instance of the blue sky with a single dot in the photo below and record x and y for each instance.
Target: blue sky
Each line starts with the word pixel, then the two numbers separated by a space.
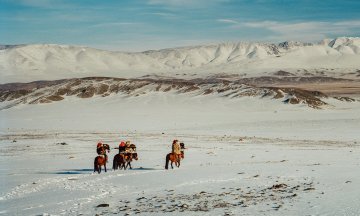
pixel 136 25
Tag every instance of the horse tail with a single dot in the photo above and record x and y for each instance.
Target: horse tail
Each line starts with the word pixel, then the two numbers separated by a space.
pixel 95 165
pixel 167 161
pixel 115 163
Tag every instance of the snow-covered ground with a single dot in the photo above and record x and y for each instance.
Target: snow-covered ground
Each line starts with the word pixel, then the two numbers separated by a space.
pixel 245 156
pixel 248 155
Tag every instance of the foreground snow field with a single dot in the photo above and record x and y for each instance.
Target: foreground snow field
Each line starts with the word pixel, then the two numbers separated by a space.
pixel 245 157
pixel 219 175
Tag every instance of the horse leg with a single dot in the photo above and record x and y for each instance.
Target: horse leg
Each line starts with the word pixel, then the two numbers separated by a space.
pixel 106 160
pixel 118 162
pixel 95 165
pixel 126 164
pixel 129 165
pixel 167 161
pixel 121 165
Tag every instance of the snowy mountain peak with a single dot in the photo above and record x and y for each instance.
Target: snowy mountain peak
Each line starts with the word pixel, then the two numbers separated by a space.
pixel 3 47
pixel 344 41
pixel 49 61
pixel 291 44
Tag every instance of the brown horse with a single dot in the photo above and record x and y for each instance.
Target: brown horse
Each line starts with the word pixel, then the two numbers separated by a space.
pixel 119 161
pixel 100 160
pixel 172 157
pixel 133 156
pixel 122 161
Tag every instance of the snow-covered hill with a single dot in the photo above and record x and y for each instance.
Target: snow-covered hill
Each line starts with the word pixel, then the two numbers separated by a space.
pixel 47 92
pixel 47 62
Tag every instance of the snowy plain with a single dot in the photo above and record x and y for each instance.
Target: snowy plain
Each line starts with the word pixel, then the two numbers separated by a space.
pixel 244 156
pixel 247 156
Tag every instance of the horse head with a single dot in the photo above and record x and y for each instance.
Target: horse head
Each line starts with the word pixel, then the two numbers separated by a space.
pixel 135 156
pixel 182 145
pixel 106 147
pixel 128 156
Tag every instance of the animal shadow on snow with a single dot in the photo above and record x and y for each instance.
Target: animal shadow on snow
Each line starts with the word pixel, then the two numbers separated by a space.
pixel 69 172
pixel 86 171
pixel 145 168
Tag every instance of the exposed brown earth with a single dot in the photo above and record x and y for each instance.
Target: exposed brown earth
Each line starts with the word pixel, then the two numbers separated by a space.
pixel 269 199
pixel 29 86
pixel 283 73
pixel 292 90
pixel 292 80
pixel 348 88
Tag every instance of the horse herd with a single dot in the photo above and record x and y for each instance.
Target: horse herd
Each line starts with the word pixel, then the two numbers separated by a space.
pixel 123 160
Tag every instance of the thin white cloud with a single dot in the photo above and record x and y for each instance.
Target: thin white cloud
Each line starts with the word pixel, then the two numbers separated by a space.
pixel 354 23
pixel 186 3
pixel 53 17
pixel 169 15
pixel 288 27
pixel 114 24
pixel 54 4
pixel 228 21
pixel 73 17
pixel 311 30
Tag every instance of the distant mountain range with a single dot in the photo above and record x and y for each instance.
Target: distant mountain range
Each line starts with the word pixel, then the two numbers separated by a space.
pixel 334 58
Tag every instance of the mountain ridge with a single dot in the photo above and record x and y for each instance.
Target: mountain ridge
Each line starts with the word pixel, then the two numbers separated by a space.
pixel 19 63
pixel 327 41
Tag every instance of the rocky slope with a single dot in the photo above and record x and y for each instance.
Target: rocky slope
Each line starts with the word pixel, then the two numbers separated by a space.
pixel 52 91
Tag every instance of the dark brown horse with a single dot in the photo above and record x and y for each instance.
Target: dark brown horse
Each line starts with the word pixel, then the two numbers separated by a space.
pixel 101 160
pixel 172 157
pixel 122 161
pixel 133 156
